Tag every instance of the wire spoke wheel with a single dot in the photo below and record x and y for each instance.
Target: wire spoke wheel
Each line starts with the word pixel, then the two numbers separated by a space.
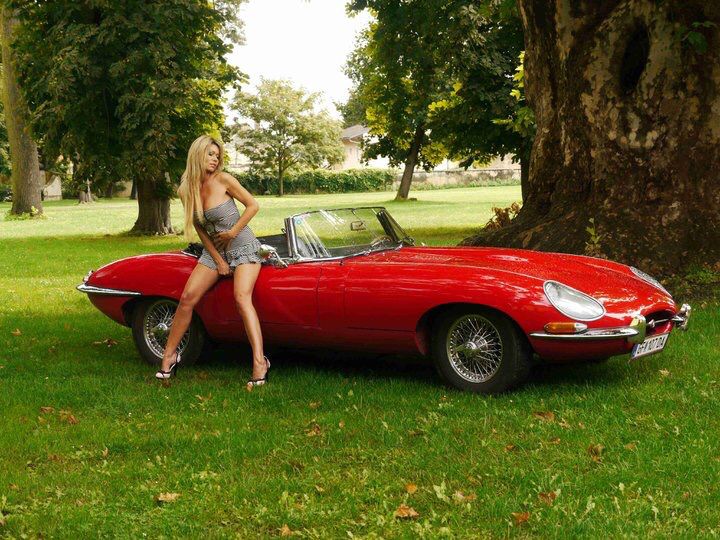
pixel 156 327
pixel 474 348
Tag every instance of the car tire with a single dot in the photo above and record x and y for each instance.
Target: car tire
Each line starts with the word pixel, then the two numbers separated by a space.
pixel 150 326
pixel 480 350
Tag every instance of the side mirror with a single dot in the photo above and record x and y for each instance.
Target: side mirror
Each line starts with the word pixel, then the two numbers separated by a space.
pixel 270 255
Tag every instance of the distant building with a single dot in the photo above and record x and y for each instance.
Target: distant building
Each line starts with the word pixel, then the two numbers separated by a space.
pixel 352 138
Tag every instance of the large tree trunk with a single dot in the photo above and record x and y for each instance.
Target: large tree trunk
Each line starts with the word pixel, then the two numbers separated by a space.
pixel 627 105
pixel 153 212
pixel 27 181
pixel 410 162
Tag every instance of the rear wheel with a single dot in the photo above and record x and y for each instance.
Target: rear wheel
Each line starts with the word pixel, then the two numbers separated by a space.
pixel 151 326
pixel 479 350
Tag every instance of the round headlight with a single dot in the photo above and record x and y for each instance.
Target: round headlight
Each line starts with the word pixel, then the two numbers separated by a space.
pixel 573 303
pixel 649 279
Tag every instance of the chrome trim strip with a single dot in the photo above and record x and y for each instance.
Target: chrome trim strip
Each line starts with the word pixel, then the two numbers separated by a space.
pixel 89 289
pixel 622 332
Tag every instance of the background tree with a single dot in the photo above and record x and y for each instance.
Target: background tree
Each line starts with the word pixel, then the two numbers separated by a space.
pixel 122 88
pixel 353 110
pixel 286 131
pixel 397 71
pixel 27 182
pixel 627 101
pixel 434 76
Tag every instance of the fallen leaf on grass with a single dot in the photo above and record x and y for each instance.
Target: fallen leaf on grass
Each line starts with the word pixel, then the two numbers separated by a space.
pixel 547 416
pixel 460 497
pixel 14 487
pixel 686 495
pixel 548 497
pixel 105 452
pixel 203 399
pixel 164 498
pixel 406 512
pixel 510 447
pixel 108 342
pixel 411 488
pixel 664 373
pixel 341 424
pixel 520 517
pixel 416 432
pixel 285 531
pixel 314 404
pixel 16 332
pixel 564 424
pixel 554 440
pixel 2 519
pixel 47 410
pixel 54 457
pixel 52 350
pixel 596 451
pixel 319 489
pixel 314 431
pixel 69 417
pixel 631 446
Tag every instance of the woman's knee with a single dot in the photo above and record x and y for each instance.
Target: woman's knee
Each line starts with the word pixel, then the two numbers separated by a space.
pixel 243 301
pixel 188 299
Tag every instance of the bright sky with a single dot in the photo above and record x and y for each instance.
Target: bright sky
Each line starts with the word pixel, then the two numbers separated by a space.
pixel 304 41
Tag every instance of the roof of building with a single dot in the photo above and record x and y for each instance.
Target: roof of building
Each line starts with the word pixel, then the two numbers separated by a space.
pixel 354 132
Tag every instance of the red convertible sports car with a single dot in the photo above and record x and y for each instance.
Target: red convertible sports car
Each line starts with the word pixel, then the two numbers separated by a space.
pixel 353 279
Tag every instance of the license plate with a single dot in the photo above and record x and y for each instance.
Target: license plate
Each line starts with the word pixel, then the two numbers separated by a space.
pixel 650 346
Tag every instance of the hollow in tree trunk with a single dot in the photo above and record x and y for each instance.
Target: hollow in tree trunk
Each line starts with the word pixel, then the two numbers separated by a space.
pixel 153 211
pixel 627 102
pixel 410 162
pixel 27 181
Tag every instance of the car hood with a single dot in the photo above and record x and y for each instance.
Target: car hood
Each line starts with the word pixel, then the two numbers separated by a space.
pixel 606 281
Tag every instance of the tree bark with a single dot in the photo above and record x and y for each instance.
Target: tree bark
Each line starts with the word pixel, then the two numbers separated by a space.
pixel 627 106
pixel 410 162
pixel 27 181
pixel 153 212
pixel 133 190
pixel 524 177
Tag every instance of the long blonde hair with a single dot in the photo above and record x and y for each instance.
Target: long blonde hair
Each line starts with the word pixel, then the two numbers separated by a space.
pixel 191 180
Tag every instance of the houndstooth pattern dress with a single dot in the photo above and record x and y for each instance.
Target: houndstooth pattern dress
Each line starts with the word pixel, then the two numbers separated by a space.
pixel 242 249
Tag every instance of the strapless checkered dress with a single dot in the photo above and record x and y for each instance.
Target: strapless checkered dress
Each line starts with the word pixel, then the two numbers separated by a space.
pixel 242 249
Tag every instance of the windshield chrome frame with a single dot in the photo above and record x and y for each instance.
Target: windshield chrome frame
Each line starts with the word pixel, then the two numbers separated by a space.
pixel 292 242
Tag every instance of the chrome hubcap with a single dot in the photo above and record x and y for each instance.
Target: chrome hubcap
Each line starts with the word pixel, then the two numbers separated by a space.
pixel 156 326
pixel 474 348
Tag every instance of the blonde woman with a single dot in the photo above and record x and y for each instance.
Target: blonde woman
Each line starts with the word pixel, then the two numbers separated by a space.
pixel 208 195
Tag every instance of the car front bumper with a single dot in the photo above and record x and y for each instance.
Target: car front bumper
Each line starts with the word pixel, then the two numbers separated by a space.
pixel 635 332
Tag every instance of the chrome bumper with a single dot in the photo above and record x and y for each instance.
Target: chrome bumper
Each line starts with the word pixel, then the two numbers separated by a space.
pixel 89 289
pixel 634 333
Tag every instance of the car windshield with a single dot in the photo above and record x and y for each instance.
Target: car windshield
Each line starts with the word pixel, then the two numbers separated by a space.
pixel 327 234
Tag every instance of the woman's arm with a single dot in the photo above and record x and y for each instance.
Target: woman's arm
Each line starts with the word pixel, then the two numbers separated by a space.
pixel 235 190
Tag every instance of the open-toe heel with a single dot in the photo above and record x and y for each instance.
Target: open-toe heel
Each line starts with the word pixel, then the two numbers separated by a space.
pixel 259 382
pixel 161 374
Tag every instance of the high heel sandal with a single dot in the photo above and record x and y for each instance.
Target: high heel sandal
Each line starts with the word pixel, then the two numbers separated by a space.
pixel 161 374
pixel 259 382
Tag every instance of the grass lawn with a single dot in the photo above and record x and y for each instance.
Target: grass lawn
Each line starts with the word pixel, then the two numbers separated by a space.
pixel 91 444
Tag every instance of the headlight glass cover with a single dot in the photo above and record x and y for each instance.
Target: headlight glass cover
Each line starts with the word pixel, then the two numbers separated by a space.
pixel 572 303
pixel 649 279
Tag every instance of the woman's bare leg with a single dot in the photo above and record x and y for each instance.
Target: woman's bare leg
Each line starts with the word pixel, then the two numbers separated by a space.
pixel 200 280
pixel 245 277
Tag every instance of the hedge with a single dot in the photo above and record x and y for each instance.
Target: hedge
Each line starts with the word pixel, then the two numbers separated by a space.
pixel 318 181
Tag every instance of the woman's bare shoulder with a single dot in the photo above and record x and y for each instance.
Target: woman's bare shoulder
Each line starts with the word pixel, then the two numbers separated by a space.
pixel 226 178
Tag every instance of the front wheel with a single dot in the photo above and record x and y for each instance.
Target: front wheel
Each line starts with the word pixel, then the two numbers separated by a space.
pixel 151 326
pixel 479 350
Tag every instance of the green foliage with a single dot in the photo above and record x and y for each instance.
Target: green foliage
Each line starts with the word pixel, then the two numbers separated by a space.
pixel 445 67
pixel 319 181
pixel 353 110
pixel 694 37
pixel 592 246
pixel 285 131
pixel 123 87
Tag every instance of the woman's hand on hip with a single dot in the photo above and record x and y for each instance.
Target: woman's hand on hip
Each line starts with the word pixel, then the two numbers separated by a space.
pixel 222 239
